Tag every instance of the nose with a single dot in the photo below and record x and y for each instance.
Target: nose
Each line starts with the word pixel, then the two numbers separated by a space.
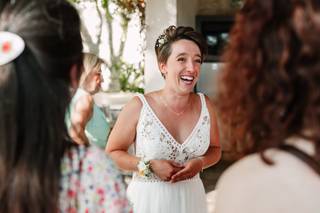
pixel 191 66
pixel 100 77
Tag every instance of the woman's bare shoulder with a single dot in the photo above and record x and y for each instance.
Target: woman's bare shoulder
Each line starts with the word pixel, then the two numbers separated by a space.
pixel 133 106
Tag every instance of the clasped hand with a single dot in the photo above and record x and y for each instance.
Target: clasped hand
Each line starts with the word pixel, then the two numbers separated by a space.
pixel 169 170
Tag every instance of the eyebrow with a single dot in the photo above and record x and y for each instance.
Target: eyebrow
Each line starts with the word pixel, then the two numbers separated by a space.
pixel 183 54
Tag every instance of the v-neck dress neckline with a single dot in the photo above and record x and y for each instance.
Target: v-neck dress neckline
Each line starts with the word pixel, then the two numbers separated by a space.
pixel 165 129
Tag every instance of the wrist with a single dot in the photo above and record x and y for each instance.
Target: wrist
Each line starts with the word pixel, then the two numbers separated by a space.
pixel 200 159
pixel 144 167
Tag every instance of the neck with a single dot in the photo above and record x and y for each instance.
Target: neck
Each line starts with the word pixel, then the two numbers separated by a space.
pixel 175 99
pixel 176 103
pixel 86 90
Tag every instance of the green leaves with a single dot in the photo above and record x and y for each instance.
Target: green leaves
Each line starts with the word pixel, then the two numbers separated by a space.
pixel 130 77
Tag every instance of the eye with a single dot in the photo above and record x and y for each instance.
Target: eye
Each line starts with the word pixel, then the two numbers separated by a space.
pixel 181 59
pixel 198 60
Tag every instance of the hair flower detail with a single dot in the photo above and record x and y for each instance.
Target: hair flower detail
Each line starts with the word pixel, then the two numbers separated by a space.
pixel 11 46
pixel 161 40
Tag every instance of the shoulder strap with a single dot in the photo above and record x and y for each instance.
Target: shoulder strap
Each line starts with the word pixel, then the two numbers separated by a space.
pixel 142 99
pixel 315 165
pixel 203 102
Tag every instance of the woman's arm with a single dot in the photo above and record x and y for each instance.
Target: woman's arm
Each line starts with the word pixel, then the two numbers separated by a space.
pixel 211 157
pixel 80 115
pixel 213 154
pixel 123 135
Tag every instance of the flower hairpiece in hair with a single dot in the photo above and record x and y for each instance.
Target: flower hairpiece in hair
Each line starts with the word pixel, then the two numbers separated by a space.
pixel 11 46
pixel 161 40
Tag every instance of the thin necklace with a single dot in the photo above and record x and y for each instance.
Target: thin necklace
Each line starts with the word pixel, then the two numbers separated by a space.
pixel 172 110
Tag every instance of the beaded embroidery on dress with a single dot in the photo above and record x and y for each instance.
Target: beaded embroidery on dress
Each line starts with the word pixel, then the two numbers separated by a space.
pixel 154 141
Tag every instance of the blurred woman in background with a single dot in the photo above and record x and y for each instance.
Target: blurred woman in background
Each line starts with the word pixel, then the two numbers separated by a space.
pixel 40 170
pixel 270 101
pixel 86 122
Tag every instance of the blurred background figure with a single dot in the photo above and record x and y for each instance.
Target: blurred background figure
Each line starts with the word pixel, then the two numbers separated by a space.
pixel 270 101
pixel 87 123
pixel 40 170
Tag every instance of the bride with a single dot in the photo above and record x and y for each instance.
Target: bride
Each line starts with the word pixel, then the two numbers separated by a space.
pixel 174 131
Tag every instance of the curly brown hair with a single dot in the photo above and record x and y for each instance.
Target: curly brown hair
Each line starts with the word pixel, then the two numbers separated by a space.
pixel 172 34
pixel 270 85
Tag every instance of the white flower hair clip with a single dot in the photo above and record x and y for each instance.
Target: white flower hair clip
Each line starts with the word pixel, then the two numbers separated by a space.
pixel 11 46
pixel 161 40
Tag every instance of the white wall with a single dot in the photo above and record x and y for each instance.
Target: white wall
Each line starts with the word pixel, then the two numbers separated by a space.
pixel 159 15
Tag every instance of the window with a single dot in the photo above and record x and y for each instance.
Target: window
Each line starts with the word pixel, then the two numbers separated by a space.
pixel 216 32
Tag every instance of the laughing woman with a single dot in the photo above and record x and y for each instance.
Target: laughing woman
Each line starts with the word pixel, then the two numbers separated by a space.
pixel 174 131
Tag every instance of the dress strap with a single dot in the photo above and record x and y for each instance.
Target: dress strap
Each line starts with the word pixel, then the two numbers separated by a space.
pixel 142 99
pixel 311 162
pixel 203 101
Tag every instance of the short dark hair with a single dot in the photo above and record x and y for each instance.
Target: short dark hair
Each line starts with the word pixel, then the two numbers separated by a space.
pixel 172 34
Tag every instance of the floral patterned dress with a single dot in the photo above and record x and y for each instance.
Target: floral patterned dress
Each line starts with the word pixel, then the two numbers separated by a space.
pixel 90 182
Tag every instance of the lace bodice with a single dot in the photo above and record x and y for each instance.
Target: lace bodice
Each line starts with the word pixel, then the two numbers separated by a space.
pixel 154 141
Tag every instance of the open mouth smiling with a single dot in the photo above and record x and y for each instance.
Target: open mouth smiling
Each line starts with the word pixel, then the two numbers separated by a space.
pixel 187 79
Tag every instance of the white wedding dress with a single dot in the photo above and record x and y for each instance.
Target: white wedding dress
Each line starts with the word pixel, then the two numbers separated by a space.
pixel 153 141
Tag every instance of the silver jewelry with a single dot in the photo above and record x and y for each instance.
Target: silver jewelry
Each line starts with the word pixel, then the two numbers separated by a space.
pixel 164 102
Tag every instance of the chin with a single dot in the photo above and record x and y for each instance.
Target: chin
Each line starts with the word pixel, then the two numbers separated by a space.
pixel 189 88
pixel 186 91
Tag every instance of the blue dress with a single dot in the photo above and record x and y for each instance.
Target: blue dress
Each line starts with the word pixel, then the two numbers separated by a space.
pixel 97 129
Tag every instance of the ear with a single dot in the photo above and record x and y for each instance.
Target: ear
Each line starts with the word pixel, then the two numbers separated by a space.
pixel 163 68
pixel 97 77
pixel 74 76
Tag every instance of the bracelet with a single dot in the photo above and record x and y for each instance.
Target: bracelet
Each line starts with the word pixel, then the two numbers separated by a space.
pixel 201 159
pixel 144 168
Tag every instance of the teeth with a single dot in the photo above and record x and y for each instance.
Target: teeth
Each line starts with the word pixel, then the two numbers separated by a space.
pixel 187 78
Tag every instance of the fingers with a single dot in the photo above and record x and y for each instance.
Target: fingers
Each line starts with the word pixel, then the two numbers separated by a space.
pixel 164 169
pixel 181 175
pixel 173 163
pixel 184 174
pixel 181 178
pixel 168 170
